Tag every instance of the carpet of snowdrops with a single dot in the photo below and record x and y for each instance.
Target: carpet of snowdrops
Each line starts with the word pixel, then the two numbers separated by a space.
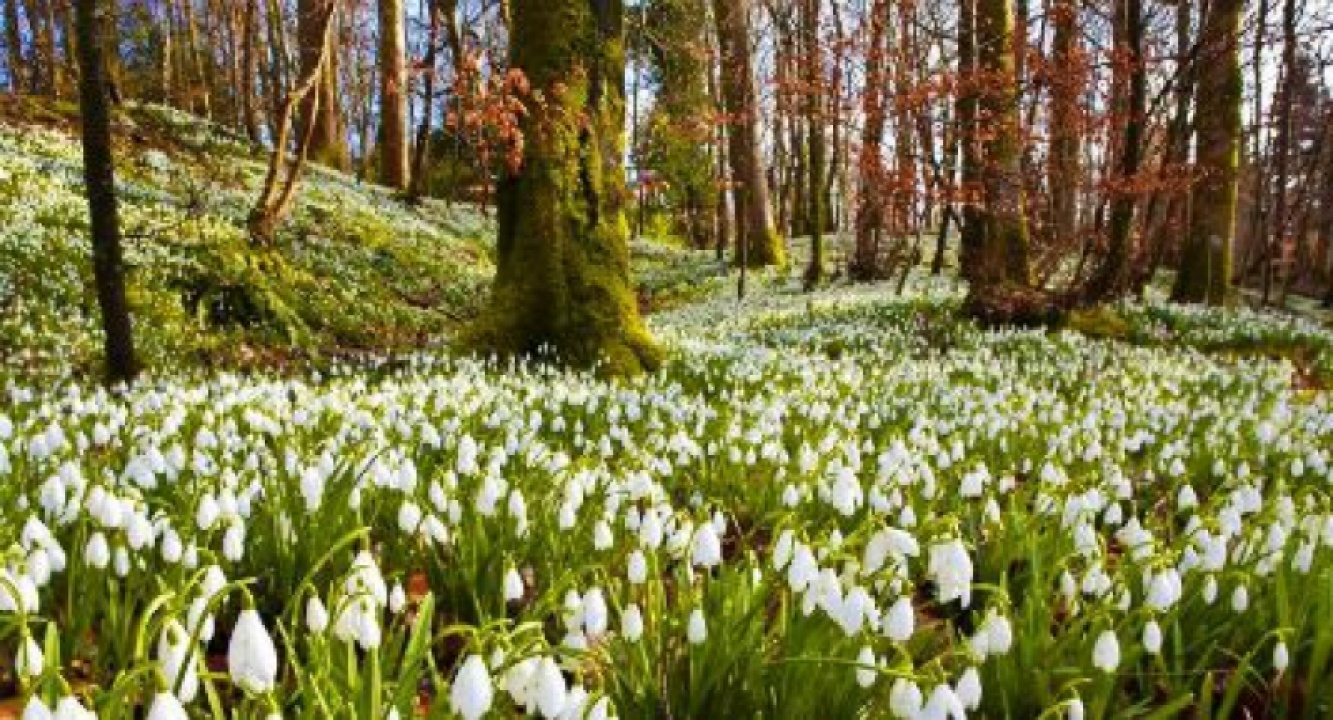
pixel 840 506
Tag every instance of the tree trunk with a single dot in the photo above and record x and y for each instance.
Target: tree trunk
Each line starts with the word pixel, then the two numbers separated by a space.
pixel 681 114
pixel 865 265
pixel 999 258
pixel 563 277
pixel 1205 268
pixel 279 189
pixel 14 47
pixel 1282 225
pixel 321 115
pixel 250 70
pixel 814 127
pixel 393 95
pixel 1112 277
pixel 1067 86
pixel 417 186
pixel 754 213
pixel 100 179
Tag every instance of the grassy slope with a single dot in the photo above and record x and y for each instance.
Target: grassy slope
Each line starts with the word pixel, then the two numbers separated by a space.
pixel 354 268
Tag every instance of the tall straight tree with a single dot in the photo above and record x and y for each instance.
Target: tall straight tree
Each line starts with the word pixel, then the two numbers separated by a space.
pixel 815 140
pixel 100 178
pixel 680 122
pixel 1113 276
pixel 393 95
pixel 865 264
pixel 321 114
pixel 14 46
pixel 562 279
pixel 1205 265
pixel 1067 87
pixel 753 210
pixel 995 260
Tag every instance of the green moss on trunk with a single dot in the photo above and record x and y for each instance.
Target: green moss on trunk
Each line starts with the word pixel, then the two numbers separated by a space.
pixel 562 279
pixel 1205 265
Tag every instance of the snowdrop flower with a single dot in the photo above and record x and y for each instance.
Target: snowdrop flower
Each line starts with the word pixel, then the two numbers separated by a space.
pixel 69 708
pixel 549 689
pixel 865 673
pixel 173 649
pixel 1240 599
pixel 631 623
pixel 951 567
pixel 1106 652
pixel 30 660
pixel 513 585
pixel 252 659
pixel 1281 657
pixel 36 709
pixel 409 517
pixel 1152 638
pixel 968 689
pixel 944 704
pixel 97 554
pixel 316 615
pixel 707 547
pixel 638 568
pixel 472 692
pixel 905 699
pixel 698 627
pixel 166 707
pixel 900 622
pixel 595 615
pixel 233 542
pixel 1074 709
pixel 397 599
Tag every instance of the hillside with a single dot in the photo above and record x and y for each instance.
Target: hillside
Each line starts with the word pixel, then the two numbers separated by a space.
pixel 354 268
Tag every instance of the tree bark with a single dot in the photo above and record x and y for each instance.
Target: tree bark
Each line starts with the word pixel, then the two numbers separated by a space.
pixel 320 113
pixel 14 47
pixel 100 179
pixel 753 211
pixel 865 265
pixel 684 158
pixel 563 280
pixel 1000 255
pixel 279 189
pixel 1067 85
pixel 393 95
pixel 815 140
pixel 1205 269
pixel 1112 277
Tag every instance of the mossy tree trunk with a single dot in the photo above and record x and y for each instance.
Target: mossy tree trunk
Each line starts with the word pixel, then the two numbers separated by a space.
pixel 563 279
pixel 753 209
pixel 393 95
pixel 1205 265
pixel 681 121
pixel 320 112
pixel 100 179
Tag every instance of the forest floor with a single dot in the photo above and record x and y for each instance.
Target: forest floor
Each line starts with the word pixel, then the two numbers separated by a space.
pixel 1130 511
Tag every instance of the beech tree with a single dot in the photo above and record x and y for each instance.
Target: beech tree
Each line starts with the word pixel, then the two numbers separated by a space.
pixel 393 95
pixel 562 279
pixel 100 178
pixel 749 177
pixel 1205 265
pixel 320 113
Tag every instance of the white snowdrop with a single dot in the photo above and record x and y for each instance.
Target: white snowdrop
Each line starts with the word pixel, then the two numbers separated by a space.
pixel 1106 652
pixel 252 659
pixel 698 627
pixel 472 691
